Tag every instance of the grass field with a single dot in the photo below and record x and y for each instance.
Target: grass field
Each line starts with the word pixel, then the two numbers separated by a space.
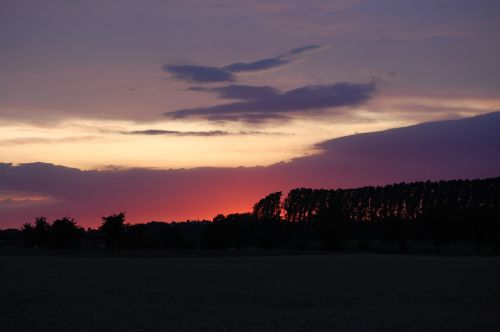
pixel 344 292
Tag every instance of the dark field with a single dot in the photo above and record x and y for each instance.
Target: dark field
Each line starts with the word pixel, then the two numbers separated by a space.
pixel 256 293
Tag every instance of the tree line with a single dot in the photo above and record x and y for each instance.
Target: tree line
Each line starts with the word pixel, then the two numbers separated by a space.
pixel 458 212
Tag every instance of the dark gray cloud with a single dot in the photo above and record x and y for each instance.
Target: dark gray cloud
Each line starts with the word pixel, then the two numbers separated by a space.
pixel 238 91
pixel 280 105
pixel 207 74
pixel 269 63
pixel 450 149
pixel 201 74
pixel 302 49
pixel 263 64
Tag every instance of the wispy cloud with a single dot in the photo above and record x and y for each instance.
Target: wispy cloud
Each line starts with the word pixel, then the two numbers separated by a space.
pixel 303 49
pixel 269 63
pixel 263 64
pixel 211 133
pixel 159 132
pixel 46 140
pixel 200 74
pixel 209 74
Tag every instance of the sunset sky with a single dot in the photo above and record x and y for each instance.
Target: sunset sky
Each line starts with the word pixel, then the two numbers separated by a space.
pixel 178 109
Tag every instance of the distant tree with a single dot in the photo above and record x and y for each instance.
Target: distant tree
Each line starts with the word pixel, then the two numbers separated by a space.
pixel 219 218
pixel 10 237
pixel 113 228
pixel 134 236
pixel 234 230
pixel 302 204
pixel 65 233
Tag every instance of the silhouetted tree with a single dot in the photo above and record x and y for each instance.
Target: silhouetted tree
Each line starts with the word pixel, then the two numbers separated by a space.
pixel 41 232
pixel 134 236
pixel 234 230
pixel 65 233
pixel 268 208
pixel 113 227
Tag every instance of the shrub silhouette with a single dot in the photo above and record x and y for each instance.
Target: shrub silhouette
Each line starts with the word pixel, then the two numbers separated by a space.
pixel 61 233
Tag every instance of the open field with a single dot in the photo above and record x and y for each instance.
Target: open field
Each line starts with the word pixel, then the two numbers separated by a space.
pixel 345 292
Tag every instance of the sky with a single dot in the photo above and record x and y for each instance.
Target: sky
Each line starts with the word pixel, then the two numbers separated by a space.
pixel 159 100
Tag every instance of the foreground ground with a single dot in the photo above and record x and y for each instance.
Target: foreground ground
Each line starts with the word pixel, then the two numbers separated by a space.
pixel 267 293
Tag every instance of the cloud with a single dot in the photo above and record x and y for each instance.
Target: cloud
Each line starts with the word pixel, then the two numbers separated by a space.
pixel 449 149
pixel 275 105
pixel 46 140
pixel 303 49
pixel 269 63
pixel 211 133
pixel 209 74
pixel 241 92
pixel 201 74
pixel 263 64
pixel 465 148
pixel 159 132
pixel 13 200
